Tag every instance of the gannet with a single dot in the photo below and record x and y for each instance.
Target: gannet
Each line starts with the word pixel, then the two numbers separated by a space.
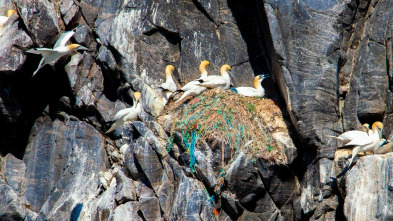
pixel 366 143
pixel 256 91
pixel 383 147
pixel 353 134
pixel 192 88
pixel 376 134
pixel 60 49
pixel 222 81
pixel 169 86
pixel 202 69
pixel 128 114
pixel 4 19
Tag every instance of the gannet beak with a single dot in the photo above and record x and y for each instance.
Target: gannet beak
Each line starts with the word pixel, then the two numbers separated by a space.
pixel 82 48
pixel 265 75
pixel 381 144
pixel 230 73
pixel 379 133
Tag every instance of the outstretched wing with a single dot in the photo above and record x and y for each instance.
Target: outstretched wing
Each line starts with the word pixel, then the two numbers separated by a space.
pixel 64 38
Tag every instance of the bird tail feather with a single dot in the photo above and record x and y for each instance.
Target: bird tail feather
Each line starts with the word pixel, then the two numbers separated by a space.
pixel 183 96
pixel 114 126
pixel 337 138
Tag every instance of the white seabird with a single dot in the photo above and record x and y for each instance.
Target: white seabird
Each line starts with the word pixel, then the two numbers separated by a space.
pixel 256 91
pixel 60 49
pixel 127 114
pixel 4 19
pixel 353 134
pixel 169 86
pixel 366 143
pixel 222 81
pixel 192 88
pixel 383 146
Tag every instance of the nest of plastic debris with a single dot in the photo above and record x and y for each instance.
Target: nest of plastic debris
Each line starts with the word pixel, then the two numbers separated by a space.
pixel 244 123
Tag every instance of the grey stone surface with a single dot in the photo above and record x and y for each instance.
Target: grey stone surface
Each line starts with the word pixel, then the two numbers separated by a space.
pixel 126 190
pixel 279 181
pixel 70 153
pixel 14 172
pixel 331 62
pixel 12 207
pixel 127 211
pixel 12 58
pixel 368 187
pixel 41 20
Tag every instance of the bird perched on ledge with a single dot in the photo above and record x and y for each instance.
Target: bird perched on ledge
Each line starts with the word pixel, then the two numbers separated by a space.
pixel 366 143
pixel 4 19
pixel 127 114
pixel 222 81
pixel 348 136
pixel 60 49
pixel 256 91
pixel 193 88
pixel 169 86
pixel 383 147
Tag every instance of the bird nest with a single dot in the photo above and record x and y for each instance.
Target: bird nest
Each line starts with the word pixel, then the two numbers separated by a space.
pixel 244 123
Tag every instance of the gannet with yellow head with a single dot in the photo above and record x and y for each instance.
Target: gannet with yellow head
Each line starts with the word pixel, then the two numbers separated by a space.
pixel 192 88
pixel 222 81
pixel 376 130
pixel 256 91
pixel 366 143
pixel 4 19
pixel 192 84
pixel 128 114
pixel 169 86
pixel 60 49
pixel 202 68
pixel 376 134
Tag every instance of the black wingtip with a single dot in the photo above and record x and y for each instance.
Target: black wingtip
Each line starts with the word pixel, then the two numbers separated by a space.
pixel 20 47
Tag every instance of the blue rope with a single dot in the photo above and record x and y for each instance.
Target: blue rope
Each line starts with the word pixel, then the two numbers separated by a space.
pixel 192 155
pixel 212 202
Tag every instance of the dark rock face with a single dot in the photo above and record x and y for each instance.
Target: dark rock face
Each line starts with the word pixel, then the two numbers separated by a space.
pixel 41 20
pixel 331 62
pixel 68 164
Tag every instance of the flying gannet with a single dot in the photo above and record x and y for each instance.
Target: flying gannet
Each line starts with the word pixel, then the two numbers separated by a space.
pixel 192 88
pixel 127 114
pixel 4 19
pixel 222 81
pixel 353 134
pixel 256 91
pixel 60 49
pixel 169 86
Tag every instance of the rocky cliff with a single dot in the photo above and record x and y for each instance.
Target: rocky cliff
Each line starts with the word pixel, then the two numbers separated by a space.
pixel 331 63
